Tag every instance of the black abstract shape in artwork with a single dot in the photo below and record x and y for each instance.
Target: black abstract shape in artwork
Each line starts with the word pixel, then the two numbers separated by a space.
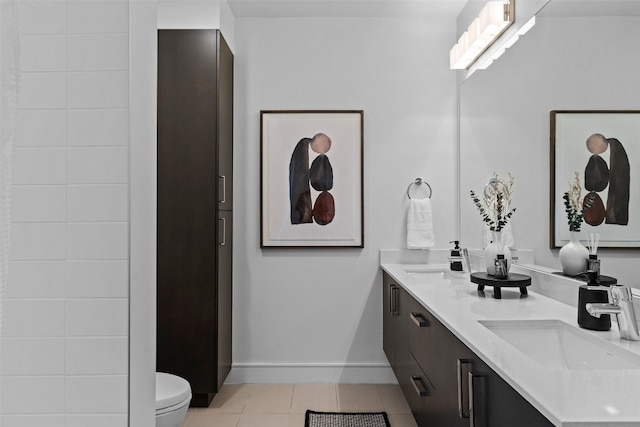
pixel 299 191
pixel 594 212
pixel 619 180
pixel 324 209
pixel 321 174
pixel 596 174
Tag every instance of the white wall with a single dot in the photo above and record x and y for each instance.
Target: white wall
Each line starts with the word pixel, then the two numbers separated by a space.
pixel 64 343
pixel 329 326
pixel 562 63
pixel 315 315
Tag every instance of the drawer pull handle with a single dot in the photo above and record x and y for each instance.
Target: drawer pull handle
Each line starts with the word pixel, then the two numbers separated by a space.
pixel 419 320
pixel 223 233
pixel 463 412
pixel 477 416
pixel 223 188
pixel 420 389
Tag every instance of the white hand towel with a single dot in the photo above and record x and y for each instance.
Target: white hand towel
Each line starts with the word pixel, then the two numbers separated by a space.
pixel 420 224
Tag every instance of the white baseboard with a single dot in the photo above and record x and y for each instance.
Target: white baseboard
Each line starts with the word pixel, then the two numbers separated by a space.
pixel 310 373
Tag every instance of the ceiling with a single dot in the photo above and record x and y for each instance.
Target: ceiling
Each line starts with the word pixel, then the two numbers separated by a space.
pixel 346 8
pixel 591 8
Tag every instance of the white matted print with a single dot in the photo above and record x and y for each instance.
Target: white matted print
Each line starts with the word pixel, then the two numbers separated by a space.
pixel 311 179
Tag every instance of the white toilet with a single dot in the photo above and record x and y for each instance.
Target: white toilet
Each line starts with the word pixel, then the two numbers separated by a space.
pixel 173 395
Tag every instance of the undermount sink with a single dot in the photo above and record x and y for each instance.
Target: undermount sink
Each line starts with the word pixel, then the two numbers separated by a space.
pixel 428 274
pixel 556 345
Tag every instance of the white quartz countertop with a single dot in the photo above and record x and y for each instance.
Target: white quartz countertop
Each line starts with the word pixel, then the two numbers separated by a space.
pixel 566 397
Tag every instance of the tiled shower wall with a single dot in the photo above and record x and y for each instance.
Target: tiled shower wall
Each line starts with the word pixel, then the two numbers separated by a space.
pixel 64 344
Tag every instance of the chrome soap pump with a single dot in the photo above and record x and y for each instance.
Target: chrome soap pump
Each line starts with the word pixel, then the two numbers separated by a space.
pixel 587 294
pixel 455 265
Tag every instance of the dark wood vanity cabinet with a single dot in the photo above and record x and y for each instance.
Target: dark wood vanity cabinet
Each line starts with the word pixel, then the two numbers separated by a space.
pixel 396 333
pixel 445 383
pixel 194 208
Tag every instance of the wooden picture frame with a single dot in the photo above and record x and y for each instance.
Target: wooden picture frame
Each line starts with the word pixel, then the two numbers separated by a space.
pixel 311 178
pixel 603 147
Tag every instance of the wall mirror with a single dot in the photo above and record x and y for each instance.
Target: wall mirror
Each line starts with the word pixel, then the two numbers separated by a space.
pixel 578 56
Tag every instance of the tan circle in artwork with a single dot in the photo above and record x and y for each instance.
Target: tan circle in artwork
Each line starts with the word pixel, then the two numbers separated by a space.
pixel 597 144
pixel 321 143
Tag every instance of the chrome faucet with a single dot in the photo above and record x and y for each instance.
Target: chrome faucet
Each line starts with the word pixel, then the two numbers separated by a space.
pixel 621 304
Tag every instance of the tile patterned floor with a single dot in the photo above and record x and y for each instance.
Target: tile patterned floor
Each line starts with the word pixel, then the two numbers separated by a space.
pixel 284 405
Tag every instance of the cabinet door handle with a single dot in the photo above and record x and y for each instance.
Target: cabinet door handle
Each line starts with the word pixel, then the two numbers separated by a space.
pixel 223 234
pixel 420 389
pixel 419 320
pixel 223 179
pixel 392 297
pixel 461 364
pixel 396 301
pixel 477 416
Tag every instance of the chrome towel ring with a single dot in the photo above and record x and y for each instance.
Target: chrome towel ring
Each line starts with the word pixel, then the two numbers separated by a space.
pixel 419 182
pixel 493 187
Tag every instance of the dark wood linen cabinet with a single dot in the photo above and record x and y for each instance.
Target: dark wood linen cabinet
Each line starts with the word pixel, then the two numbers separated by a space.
pixel 194 204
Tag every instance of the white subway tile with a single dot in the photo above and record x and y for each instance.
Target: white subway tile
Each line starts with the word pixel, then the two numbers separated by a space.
pixel 98 52
pixel 33 420
pixel 38 241
pixel 43 53
pixel 40 166
pixel 97 317
pixel 37 279
pixel 105 16
pixel 99 202
pixel 43 17
pixel 99 89
pixel 97 279
pixel 96 356
pixel 33 356
pixel 98 165
pixel 41 128
pixel 33 395
pixel 101 420
pixel 43 90
pixel 97 240
pixel 39 203
pixel 33 318
pixel 96 394
pixel 98 127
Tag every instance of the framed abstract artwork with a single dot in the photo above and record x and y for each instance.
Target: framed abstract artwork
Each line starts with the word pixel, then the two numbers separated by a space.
pixel 311 173
pixel 600 150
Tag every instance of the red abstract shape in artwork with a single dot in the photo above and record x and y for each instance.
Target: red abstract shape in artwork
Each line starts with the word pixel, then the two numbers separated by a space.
pixel 324 208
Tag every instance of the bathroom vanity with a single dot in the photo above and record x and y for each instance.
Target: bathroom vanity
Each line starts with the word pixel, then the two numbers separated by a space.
pixel 462 357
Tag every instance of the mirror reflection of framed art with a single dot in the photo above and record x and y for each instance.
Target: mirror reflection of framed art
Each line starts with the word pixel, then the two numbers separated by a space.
pixel 601 150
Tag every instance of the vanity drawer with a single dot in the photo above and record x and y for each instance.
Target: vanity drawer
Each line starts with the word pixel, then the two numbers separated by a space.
pixel 420 393
pixel 423 338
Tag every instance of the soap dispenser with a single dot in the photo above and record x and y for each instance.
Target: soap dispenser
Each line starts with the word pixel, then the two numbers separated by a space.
pixel 455 254
pixel 587 294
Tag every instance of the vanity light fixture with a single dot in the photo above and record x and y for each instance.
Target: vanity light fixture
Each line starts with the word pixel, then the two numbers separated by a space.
pixel 495 17
pixel 510 42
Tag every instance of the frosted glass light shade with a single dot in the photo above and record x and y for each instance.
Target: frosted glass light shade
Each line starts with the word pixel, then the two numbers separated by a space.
pixel 494 18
